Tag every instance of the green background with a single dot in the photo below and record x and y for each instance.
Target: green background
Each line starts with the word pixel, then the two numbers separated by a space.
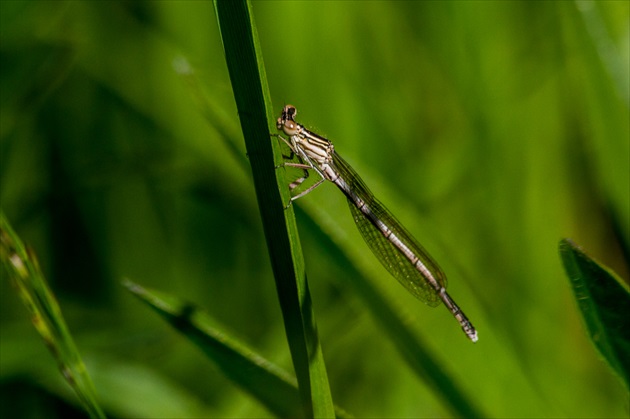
pixel 491 129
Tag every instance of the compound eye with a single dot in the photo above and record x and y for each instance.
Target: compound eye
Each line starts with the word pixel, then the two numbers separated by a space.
pixel 290 111
pixel 289 127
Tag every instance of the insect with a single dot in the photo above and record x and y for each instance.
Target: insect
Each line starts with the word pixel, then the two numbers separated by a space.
pixel 400 253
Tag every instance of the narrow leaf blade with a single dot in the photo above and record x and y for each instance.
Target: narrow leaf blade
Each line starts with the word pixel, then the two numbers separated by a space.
pixel 268 383
pixel 21 265
pixel 251 92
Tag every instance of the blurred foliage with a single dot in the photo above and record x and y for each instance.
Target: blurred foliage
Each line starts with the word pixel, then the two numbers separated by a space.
pixel 491 129
pixel 270 385
pixel 23 270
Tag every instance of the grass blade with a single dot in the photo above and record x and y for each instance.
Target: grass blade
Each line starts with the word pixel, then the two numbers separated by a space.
pixel 268 383
pixel 604 301
pixel 21 265
pixel 247 74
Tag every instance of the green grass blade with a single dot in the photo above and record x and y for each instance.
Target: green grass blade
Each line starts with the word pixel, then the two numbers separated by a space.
pixel 23 269
pixel 268 383
pixel 247 73
pixel 604 301
pixel 411 347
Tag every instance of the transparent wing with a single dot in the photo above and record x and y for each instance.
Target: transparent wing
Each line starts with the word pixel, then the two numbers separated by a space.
pixel 389 255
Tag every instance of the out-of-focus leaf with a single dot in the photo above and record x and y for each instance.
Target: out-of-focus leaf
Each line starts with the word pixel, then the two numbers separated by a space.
pixel 23 269
pixel 271 385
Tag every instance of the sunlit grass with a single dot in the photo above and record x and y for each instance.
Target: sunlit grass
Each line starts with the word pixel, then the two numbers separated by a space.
pixel 491 130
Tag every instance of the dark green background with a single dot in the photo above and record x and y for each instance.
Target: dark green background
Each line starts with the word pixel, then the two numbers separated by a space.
pixel 491 129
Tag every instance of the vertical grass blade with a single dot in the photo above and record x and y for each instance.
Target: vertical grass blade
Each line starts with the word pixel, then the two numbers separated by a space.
pixel 604 301
pixel 247 74
pixel 23 269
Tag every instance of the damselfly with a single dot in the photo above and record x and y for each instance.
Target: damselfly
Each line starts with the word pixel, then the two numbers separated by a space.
pixel 390 242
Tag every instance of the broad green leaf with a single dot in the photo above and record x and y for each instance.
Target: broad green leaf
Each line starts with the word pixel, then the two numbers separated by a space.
pixel 604 301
